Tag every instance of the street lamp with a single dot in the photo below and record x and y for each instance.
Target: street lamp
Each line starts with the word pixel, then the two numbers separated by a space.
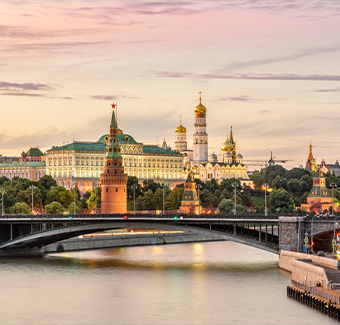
pixel 2 200
pixel 265 198
pixel 134 198
pixel 95 189
pixel 235 185
pixel 32 187
pixel 199 204
pixel 163 199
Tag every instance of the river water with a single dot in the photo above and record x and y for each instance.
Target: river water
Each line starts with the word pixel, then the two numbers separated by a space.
pixel 199 283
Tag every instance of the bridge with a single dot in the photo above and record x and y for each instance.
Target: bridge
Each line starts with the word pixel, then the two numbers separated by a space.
pixel 27 234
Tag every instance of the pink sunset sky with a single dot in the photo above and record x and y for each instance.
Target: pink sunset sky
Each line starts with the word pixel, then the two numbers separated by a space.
pixel 268 68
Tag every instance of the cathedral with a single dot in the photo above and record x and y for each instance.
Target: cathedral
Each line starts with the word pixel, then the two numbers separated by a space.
pixel 197 160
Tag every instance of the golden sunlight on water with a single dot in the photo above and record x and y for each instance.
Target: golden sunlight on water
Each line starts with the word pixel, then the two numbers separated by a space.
pixel 202 283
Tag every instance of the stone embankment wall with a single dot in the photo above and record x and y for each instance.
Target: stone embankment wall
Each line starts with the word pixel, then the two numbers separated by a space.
pixel 306 268
pixel 88 243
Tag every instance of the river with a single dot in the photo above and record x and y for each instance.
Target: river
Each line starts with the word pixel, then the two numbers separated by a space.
pixel 199 283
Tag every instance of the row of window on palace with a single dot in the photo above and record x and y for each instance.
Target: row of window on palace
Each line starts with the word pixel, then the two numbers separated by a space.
pixel 130 163
pixel 36 175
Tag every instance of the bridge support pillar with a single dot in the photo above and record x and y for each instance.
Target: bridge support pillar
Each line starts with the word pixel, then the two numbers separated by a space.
pixel 234 229
pixel 11 231
pixel 260 233
pixel 210 226
pixel 266 233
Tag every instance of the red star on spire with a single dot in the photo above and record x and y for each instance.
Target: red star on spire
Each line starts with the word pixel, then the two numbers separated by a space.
pixel 113 105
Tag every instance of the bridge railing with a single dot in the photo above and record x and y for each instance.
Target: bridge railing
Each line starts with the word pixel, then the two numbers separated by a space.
pixel 179 216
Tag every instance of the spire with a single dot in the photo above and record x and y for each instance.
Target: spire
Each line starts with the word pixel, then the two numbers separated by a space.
pixel 200 93
pixel 231 135
pixel 113 119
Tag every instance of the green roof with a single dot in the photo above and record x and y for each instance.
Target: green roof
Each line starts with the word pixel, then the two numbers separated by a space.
pixel 122 138
pixel 88 146
pixel 23 164
pixel 155 149
pixel 34 152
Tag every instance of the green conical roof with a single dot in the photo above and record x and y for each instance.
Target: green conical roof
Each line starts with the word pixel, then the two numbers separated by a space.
pixel 113 120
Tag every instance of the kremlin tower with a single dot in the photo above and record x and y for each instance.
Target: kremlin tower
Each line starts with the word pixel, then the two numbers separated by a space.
pixel 200 135
pixel 180 137
pixel 113 180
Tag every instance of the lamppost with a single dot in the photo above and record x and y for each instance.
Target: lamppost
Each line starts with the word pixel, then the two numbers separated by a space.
pixel 199 204
pixel 95 189
pixel 235 185
pixel 333 185
pixel 265 198
pixel 312 248
pixel 134 198
pixel 163 199
pixel 2 200
pixel 32 187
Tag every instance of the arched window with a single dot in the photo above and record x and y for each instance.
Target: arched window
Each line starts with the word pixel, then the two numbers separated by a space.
pixel 116 189
pixel 107 189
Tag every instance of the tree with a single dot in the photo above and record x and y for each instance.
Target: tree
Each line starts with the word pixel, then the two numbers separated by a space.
pixel 54 208
pixel 294 185
pixel 309 180
pixel 60 194
pixel 83 200
pixel 132 180
pixel 150 185
pixel 71 207
pixel 271 172
pixel 303 198
pixel 215 202
pixel 303 186
pixel 212 185
pixel 280 198
pixel 20 208
pixel 296 173
pixel 3 179
pixel 206 199
pixel 257 179
pixel 47 182
pixel 174 199
pixel 139 203
pixel 246 199
pixel 148 201
pixel 226 206
pixel 279 182
pixel 91 201
pixel 26 196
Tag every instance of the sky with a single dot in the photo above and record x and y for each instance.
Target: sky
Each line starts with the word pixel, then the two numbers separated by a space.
pixel 269 69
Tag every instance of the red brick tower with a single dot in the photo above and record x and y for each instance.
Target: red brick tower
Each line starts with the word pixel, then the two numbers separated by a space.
pixel 113 180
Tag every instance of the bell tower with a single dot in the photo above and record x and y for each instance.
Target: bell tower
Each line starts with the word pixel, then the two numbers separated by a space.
pixel 113 180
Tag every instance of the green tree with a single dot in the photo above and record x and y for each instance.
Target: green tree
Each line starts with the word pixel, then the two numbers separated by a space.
pixel 212 185
pixel 60 194
pixel 54 208
pixel 257 179
pixel 139 203
pixel 71 207
pixel 148 201
pixel 303 198
pixel 20 208
pixel 271 172
pixel 3 179
pixel 296 173
pixel 206 199
pixel 309 180
pixel 215 202
pixel 47 182
pixel 280 198
pixel 91 201
pixel 226 206
pixel 294 186
pixel 247 200
pixel 133 181
pixel 150 185
pixel 26 197
pixel 83 200
pixel 279 182
pixel 174 198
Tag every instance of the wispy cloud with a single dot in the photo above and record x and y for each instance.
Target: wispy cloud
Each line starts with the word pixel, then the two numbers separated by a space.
pixel 328 90
pixel 113 97
pixel 263 76
pixel 23 86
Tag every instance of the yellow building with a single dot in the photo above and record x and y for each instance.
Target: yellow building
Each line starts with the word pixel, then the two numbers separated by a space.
pixel 81 163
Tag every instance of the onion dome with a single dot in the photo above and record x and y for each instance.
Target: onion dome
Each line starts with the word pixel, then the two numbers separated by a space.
pixel 239 156
pixel 181 128
pixel 228 155
pixel 227 145
pixel 200 109
pixel 213 157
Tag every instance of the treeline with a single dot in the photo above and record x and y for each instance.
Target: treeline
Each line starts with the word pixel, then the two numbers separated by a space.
pixel 290 188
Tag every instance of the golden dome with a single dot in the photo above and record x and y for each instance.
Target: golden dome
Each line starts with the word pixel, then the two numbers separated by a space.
pixel 200 108
pixel 227 145
pixel 181 129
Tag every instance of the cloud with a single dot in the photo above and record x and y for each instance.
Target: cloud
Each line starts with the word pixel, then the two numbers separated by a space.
pixel 263 76
pixel 285 58
pixel 242 98
pixel 327 90
pixel 113 97
pixel 24 86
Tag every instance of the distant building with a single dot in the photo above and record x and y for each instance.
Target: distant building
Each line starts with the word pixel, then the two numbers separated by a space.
pixel 190 202
pixel 310 164
pixel 30 170
pixel 318 199
pixel 334 168
pixel 32 155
